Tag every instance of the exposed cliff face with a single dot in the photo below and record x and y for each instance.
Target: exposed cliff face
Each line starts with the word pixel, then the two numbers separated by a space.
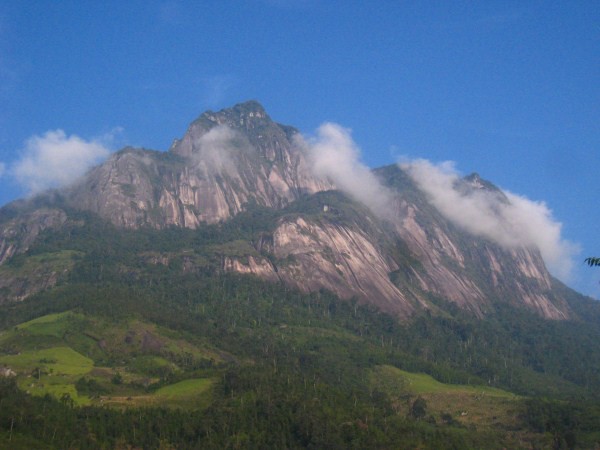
pixel 519 276
pixel 34 274
pixel 225 161
pixel 238 157
pixel 340 258
pixel 434 258
pixel 19 233
pixel 467 270
pixel 474 273
pixel 435 250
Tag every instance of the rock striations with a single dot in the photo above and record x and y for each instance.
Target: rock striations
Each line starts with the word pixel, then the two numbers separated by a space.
pixel 225 161
pixel 238 158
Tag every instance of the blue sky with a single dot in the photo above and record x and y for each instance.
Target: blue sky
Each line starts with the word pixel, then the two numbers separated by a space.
pixel 510 90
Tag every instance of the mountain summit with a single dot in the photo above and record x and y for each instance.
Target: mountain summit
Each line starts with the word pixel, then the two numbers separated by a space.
pixel 237 162
pixel 224 161
pixel 249 118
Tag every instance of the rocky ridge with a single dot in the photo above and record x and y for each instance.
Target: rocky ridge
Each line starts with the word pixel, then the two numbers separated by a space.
pixel 225 161
pixel 238 158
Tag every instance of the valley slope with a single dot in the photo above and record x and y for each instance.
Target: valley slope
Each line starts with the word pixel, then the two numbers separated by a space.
pixel 223 295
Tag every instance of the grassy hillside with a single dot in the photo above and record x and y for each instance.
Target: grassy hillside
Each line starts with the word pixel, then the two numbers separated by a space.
pixel 91 361
pixel 480 407
pixel 254 365
pixel 135 352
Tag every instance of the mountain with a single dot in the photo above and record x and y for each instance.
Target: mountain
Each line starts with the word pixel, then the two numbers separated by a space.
pixel 225 294
pixel 225 161
pixel 238 158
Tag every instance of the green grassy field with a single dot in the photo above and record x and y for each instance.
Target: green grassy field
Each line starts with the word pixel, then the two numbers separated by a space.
pixel 194 393
pixel 51 371
pixel 51 324
pixel 104 341
pixel 183 390
pixel 80 347
pixel 474 406
pixel 57 386
pixel 57 360
pixel 400 381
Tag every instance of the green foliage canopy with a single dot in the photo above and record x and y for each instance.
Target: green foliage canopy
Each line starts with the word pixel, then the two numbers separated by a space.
pixel 592 261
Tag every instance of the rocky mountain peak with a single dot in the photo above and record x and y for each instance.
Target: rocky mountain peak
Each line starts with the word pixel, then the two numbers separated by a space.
pixel 475 181
pixel 231 161
pixel 248 119
pixel 247 115
pixel 225 161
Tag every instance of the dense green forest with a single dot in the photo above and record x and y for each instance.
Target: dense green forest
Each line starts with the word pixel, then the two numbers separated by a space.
pixel 278 368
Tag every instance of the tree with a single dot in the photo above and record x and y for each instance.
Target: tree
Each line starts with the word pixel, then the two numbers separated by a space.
pixel 419 408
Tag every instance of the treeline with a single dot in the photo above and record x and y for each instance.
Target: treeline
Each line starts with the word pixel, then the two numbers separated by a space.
pixel 261 416
pixel 299 374
pixel 512 349
pixel 306 387
pixel 572 424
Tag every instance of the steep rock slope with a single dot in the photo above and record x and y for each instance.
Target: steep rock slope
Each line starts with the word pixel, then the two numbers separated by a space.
pixel 342 259
pixel 237 159
pixel 465 269
pixel 22 224
pixel 333 244
pixel 225 160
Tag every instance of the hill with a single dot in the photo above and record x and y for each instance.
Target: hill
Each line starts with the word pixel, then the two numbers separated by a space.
pixel 227 294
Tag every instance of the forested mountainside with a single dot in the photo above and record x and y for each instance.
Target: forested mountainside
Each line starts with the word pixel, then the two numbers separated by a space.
pixel 225 294
pixel 237 159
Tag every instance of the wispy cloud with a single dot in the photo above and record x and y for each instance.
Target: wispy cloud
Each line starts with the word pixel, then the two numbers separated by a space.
pixel 215 89
pixel 336 156
pixel 214 152
pixel 508 219
pixel 113 138
pixel 55 160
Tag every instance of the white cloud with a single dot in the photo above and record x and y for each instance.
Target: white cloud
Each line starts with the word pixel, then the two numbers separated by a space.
pixel 508 219
pixel 55 160
pixel 336 156
pixel 214 151
pixel 215 88
pixel 111 139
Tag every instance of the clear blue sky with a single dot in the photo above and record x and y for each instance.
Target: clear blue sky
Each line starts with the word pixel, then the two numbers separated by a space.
pixel 507 89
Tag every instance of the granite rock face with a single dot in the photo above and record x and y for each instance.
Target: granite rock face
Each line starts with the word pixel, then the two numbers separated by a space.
pixel 238 158
pixel 19 233
pixel 225 161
